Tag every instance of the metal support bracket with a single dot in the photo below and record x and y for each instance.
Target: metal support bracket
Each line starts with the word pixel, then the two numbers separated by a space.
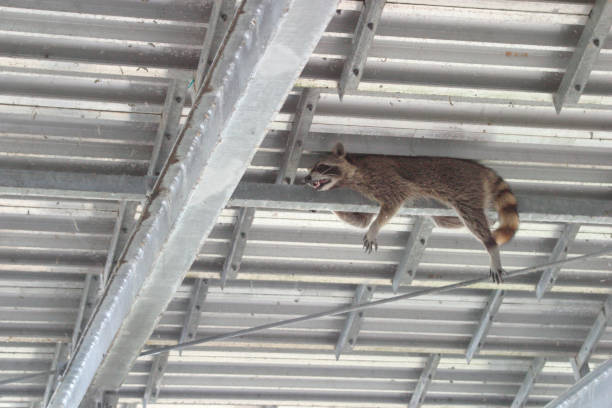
pixel 530 378
pixel 415 248
pixel 192 320
pixel 352 325
pixel 221 16
pixel 585 55
pixel 286 175
pixel 158 368
pixel 549 276
pixel 581 360
pixel 167 130
pixel 362 40
pixel 488 314
pixel 59 359
pixel 427 375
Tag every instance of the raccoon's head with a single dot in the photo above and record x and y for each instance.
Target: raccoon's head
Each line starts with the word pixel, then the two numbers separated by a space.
pixel 331 171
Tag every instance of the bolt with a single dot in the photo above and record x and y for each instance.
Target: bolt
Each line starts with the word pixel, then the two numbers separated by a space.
pixel 422 241
pixel 596 42
pixel 578 87
pixel 309 107
pixel 178 99
pixel 356 71
pixel 371 26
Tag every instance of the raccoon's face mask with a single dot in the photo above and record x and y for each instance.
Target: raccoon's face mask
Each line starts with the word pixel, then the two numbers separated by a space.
pixel 329 172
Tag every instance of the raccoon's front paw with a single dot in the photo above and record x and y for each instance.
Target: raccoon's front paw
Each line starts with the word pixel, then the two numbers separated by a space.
pixel 369 243
pixel 497 275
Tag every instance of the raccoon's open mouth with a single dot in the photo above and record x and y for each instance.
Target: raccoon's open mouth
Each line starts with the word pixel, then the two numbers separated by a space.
pixel 320 183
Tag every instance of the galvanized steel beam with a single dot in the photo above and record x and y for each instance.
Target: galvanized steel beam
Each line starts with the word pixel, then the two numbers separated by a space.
pixel 71 185
pixel 549 276
pixel 415 248
pixel 488 315
pixel 581 360
pixel 585 55
pixel 532 207
pixel 592 391
pixel 360 45
pixel 530 378
pixel 418 396
pixel 268 45
pixel 304 115
pixel 352 325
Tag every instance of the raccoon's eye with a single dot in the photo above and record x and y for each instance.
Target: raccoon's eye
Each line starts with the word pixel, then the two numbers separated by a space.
pixel 322 168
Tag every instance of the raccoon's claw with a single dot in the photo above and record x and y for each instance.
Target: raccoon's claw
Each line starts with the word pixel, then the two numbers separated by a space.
pixel 369 244
pixel 497 275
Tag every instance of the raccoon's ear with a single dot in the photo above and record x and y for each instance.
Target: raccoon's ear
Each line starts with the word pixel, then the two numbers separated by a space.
pixel 338 150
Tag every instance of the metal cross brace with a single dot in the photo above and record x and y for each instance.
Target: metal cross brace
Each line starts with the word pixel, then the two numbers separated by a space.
pixel 168 128
pixel 418 396
pixel 530 378
pixel 585 55
pixel 549 276
pixel 362 40
pixel 352 325
pixel 580 361
pixel 415 248
pixel 59 357
pixel 286 175
pixel 495 300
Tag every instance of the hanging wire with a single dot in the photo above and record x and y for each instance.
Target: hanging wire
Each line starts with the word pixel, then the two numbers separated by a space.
pixel 367 305
pixel 338 310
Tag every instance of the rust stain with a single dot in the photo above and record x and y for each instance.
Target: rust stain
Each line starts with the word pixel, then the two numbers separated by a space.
pixel 516 54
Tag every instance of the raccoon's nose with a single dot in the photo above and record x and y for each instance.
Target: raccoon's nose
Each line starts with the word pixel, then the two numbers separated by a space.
pixel 307 179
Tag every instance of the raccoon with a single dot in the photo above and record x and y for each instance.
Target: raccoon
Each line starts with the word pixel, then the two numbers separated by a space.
pixel 464 185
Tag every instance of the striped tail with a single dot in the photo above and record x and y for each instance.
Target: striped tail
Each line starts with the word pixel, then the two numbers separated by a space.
pixel 507 209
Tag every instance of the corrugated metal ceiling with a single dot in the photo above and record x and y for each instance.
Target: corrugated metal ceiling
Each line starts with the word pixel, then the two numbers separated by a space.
pixel 82 88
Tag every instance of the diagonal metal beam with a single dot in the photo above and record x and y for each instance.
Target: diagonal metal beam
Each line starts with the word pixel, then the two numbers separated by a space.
pixel 94 285
pixel 533 207
pixel 415 248
pixel 594 390
pixel 488 315
pixel 352 325
pixel 418 396
pixel 549 276
pixel 362 40
pixel 224 128
pixel 585 55
pixel 530 378
pixel 304 115
pixel 581 360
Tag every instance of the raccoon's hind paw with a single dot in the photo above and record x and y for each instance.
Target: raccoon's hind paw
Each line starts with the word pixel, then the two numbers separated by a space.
pixel 497 275
pixel 369 244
